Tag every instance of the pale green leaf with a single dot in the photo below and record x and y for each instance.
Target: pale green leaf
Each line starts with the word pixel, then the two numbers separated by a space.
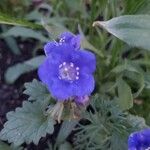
pixel 11 42
pixel 14 72
pixel 4 146
pixel 5 19
pixel 137 122
pixel 87 45
pixel 27 124
pixel 65 130
pixel 65 146
pixel 26 33
pixel 36 90
pixel 132 29
pixel 125 100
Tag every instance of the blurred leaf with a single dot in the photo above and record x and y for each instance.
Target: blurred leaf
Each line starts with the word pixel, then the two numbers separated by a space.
pixel 14 72
pixel 125 100
pixel 27 124
pixel 65 130
pixel 5 19
pixel 11 42
pixel 147 80
pixel 132 29
pixel 36 91
pixel 137 7
pixel 25 32
pixel 54 29
pixel 4 146
pixel 65 146
pixel 85 44
pixel 137 122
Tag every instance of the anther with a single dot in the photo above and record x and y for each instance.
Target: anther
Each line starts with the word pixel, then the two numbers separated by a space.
pixel 77 78
pixel 66 69
pixel 71 64
pixel 77 68
pixel 60 65
pixel 64 63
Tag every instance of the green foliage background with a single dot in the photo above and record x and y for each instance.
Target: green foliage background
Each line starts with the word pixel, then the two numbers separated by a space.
pixel 123 71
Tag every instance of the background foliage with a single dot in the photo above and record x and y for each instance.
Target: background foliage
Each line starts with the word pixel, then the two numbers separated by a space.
pixel 120 103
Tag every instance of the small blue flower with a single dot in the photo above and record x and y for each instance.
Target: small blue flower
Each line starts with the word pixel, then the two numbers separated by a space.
pixel 139 140
pixel 68 70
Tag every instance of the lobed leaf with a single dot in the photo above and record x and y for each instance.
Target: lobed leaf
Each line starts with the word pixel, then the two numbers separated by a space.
pixel 36 91
pixel 27 124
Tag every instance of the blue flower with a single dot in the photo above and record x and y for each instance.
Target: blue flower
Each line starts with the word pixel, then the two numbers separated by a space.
pixel 68 70
pixel 139 140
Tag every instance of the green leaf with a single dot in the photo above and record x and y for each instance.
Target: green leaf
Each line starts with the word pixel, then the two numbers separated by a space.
pixel 132 29
pixel 65 130
pixel 65 146
pixel 36 91
pixel 11 42
pixel 14 72
pixel 54 29
pixel 26 33
pixel 5 19
pixel 137 122
pixel 27 124
pixel 85 44
pixel 125 100
pixel 4 146
pixel 137 7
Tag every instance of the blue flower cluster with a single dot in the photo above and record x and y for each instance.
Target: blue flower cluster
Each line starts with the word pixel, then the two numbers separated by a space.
pixel 68 70
pixel 139 140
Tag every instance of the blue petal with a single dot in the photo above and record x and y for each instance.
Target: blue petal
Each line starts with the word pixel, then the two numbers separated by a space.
pixel 84 86
pixel 60 90
pixel 69 38
pixel 76 42
pixel 49 47
pixel 47 71
pixel 133 141
pixel 85 60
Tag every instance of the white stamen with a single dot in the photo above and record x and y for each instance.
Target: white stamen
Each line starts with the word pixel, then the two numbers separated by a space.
pixel 77 78
pixel 77 68
pixel 66 69
pixel 64 63
pixel 71 64
pixel 60 65
pixel 78 73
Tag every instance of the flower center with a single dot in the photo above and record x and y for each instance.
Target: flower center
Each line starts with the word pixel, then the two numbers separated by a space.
pixel 68 71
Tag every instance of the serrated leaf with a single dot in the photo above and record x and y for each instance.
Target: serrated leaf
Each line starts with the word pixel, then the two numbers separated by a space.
pixel 36 90
pixel 14 72
pixel 26 33
pixel 27 124
pixel 125 100
pixel 132 29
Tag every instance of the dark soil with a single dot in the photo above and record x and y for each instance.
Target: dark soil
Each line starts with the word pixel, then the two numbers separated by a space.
pixel 11 95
